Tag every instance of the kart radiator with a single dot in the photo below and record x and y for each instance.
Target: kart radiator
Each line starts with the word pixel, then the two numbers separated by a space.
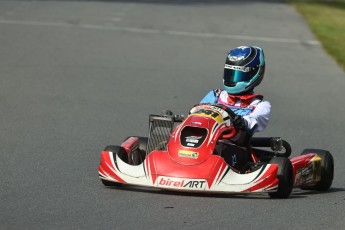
pixel 160 129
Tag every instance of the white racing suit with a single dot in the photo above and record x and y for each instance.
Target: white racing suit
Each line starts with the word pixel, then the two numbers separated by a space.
pixel 253 109
pixel 250 106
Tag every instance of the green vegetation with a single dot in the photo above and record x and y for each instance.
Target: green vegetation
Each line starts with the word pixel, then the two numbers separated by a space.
pixel 327 21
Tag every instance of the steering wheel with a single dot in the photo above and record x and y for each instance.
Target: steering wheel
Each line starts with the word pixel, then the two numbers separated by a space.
pixel 231 113
pixel 231 131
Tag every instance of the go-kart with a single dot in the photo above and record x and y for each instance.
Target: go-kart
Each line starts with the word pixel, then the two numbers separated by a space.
pixel 192 154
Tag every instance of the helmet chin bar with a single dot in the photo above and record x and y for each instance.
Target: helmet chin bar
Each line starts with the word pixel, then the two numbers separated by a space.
pixel 239 88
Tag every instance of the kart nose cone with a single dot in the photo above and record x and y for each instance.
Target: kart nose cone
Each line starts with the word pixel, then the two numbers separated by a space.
pixel 191 144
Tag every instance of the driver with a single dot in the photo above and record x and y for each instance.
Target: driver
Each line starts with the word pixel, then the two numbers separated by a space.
pixel 244 69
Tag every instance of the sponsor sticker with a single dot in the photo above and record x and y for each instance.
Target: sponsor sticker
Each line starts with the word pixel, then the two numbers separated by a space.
pixel 233 58
pixel 188 154
pixel 180 183
pixel 211 113
pixel 316 161
pixel 193 139
pixel 310 174
pixel 234 67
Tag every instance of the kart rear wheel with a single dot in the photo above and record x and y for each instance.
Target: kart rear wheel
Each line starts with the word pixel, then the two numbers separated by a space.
pixel 327 170
pixel 285 176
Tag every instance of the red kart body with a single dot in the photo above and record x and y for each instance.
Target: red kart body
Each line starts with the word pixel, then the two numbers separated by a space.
pixel 187 161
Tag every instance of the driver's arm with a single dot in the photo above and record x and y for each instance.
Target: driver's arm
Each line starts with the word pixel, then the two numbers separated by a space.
pixel 258 119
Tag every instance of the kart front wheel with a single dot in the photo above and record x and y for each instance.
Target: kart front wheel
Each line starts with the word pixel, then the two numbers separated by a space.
pixel 285 176
pixel 327 170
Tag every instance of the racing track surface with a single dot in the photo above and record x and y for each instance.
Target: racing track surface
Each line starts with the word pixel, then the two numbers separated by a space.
pixel 76 76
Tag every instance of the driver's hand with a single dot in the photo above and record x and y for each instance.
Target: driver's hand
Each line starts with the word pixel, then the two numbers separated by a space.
pixel 239 122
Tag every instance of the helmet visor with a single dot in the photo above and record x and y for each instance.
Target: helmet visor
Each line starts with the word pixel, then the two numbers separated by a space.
pixel 231 75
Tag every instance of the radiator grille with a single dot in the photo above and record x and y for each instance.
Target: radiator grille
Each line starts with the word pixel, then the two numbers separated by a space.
pixel 160 129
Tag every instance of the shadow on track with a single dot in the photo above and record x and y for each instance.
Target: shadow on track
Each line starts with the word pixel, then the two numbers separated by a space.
pixel 250 196
pixel 313 192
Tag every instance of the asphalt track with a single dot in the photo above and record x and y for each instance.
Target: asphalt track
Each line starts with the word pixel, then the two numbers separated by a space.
pixel 78 75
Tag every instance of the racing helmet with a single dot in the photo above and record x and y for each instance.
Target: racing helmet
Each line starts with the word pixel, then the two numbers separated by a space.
pixel 244 69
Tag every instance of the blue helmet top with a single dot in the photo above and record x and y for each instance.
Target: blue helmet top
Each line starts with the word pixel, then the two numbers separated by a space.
pixel 244 69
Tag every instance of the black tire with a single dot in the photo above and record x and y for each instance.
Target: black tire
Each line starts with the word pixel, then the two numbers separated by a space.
pixel 116 150
pixel 285 176
pixel 327 170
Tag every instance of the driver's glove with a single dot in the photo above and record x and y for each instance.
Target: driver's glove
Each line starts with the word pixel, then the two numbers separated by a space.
pixel 239 122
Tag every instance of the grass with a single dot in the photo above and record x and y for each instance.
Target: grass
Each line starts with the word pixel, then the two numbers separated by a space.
pixel 327 21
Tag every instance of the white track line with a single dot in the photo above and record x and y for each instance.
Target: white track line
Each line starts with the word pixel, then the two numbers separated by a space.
pixel 155 31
